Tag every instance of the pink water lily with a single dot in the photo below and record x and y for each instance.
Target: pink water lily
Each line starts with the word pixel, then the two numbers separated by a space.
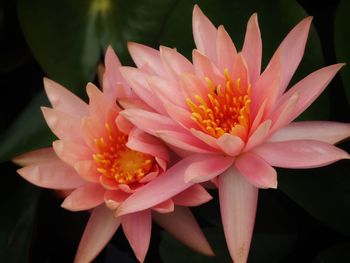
pixel 231 122
pixel 103 160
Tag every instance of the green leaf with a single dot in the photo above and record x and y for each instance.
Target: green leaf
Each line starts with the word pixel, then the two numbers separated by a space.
pixel 29 132
pixel 322 192
pixel 69 37
pixel 276 19
pixel 339 253
pixel 342 39
pixel 19 200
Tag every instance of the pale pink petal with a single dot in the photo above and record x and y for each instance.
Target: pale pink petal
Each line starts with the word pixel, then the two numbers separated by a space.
pixel 257 119
pixel 281 116
pixel 167 91
pixel 164 207
pixel 138 81
pixel 140 141
pixel 71 152
pixel 114 86
pixel 256 171
pixel 184 141
pixel 87 169
pixel 226 50
pixel 240 71
pixel 123 124
pixel 193 196
pixel 291 51
pixel 310 88
pixel 207 168
pixel 324 131
pixel 252 48
pixel 259 135
pixel 53 174
pixel 300 154
pixel 173 180
pixel 231 145
pixel 41 155
pixel 64 100
pixel 137 228
pixel 183 226
pixel 93 128
pixel 205 68
pixel 204 33
pixel 99 105
pixel 149 121
pixel 238 201
pixel 109 183
pixel 144 55
pixel 175 62
pixel 63 125
pixel 98 231
pixel 181 116
pixel 85 197
pixel 206 138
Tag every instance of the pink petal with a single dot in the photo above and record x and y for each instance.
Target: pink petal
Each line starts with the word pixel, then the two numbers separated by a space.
pixel 240 71
pixel 64 100
pixel 259 136
pixel 137 228
pixel 184 141
pixel 167 91
pixel 226 50
pixel 143 142
pixel 193 196
pixel 123 124
pixel 70 152
pixel 206 138
pixel 164 207
pixel 300 154
pixel 88 170
pixel 238 201
pixel 99 230
pixel 114 86
pixel 172 180
pixel 324 131
pixel 207 168
pixel 144 55
pixel 150 122
pixel 138 81
pixel 63 125
pixel 85 197
pixel 310 88
pixel 231 145
pixel 192 85
pixel 53 174
pixel 41 155
pixel 113 198
pixel 256 171
pixel 252 48
pixel 204 67
pixel 174 61
pixel 183 226
pixel 291 51
pixel 181 116
pixel 204 33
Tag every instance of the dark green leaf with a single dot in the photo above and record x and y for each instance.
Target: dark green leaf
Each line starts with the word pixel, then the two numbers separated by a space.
pixel 322 192
pixel 342 38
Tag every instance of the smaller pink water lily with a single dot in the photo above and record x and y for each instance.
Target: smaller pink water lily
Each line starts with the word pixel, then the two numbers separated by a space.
pixel 234 121
pixel 104 160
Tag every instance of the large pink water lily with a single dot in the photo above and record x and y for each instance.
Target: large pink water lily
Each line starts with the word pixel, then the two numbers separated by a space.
pixel 234 121
pixel 103 159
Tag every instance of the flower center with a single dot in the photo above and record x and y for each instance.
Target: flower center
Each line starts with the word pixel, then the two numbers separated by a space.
pixel 224 110
pixel 116 160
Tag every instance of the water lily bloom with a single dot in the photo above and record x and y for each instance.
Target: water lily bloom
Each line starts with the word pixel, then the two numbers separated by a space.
pixel 231 121
pixel 103 160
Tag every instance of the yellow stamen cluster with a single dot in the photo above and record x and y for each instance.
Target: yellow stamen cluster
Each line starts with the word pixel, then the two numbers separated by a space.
pixel 116 161
pixel 225 109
